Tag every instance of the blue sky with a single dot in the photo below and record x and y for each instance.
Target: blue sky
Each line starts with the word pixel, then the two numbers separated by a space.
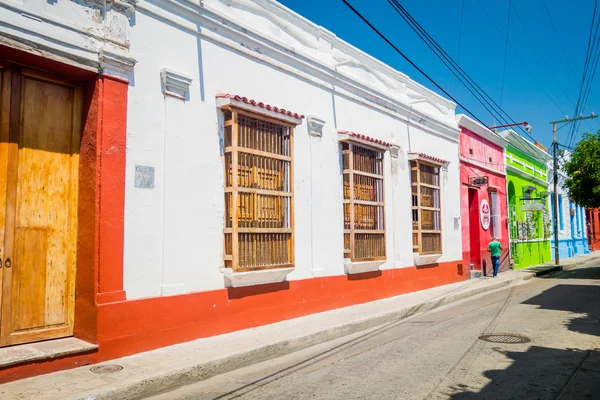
pixel 540 83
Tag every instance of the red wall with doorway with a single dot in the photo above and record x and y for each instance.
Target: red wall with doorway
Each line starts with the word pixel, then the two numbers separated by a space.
pixel 480 157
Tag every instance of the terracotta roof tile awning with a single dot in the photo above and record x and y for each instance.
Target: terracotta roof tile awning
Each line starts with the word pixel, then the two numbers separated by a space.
pixel 363 138
pixel 235 98
pixel 425 157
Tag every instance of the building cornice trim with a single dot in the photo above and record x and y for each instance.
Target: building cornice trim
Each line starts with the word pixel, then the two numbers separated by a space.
pixel 480 130
pixel 226 31
pixel 527 175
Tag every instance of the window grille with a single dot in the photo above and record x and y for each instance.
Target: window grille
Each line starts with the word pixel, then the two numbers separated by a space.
pixel 426 208
pixel 364 225
pixel 259 200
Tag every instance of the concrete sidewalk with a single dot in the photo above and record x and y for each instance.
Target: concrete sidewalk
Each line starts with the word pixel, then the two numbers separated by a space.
pixel 564 264
pixel 167 368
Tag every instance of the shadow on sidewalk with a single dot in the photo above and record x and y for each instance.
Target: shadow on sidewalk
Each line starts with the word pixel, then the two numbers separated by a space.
pixel 544 373
pixel 538 373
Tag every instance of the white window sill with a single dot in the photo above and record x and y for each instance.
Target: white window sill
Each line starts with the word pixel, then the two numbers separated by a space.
pixel 424 259
pixel 359 267
pixel 252 278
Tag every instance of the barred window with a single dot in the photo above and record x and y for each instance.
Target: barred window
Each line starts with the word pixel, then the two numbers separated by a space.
pixel 426 208
pixel 364 230
pixel 259 197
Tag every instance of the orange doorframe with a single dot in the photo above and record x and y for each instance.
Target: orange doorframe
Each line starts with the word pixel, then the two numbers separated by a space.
pixel 101 208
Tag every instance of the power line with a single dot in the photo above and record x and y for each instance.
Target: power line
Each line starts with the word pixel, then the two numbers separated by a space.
pixel 562 48
pixel 439 52
pixel 583 87
pixel 541 55
pixel 520 59
pixel 456 70
pixel 545 61
pixel 410 61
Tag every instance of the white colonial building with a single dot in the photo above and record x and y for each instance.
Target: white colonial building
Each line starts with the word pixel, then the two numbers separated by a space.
pixel 237 165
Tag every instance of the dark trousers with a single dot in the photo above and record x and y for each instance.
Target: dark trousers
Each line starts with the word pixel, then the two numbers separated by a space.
pixel 495 264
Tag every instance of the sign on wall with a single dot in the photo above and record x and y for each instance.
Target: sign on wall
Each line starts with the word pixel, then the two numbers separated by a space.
pixel 533 206
pixel 478 180
pixel 485 214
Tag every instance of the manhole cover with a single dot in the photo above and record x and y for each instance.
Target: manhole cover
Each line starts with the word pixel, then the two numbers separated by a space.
pixel 508 338
pixel 106 369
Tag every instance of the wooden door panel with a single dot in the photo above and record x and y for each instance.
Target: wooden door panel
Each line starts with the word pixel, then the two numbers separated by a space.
pixel 38 290
pixel 29 279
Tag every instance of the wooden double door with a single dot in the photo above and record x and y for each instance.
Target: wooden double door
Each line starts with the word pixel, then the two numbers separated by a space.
pixel 40 124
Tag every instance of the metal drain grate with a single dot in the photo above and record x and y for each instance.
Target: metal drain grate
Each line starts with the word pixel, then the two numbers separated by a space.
pixel 106 369
pixel 507 338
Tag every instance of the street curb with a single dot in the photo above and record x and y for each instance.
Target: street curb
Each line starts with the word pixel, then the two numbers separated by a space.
pixel 582 262
pixel 566 267
pixel 546 271
pixel 205 370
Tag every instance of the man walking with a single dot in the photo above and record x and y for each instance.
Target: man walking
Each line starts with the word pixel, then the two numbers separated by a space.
pixel 494 248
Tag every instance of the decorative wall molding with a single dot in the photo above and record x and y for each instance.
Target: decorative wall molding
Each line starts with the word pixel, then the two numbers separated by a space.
pixel 116 65
pixel 315 125
pixel 123 5
pixel 175 84
pixel 420 259
pixel 361 267
pixel 252 278
pixel 526 175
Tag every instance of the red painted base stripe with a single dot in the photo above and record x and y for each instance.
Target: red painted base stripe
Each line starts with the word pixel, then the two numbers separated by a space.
pixel 134 326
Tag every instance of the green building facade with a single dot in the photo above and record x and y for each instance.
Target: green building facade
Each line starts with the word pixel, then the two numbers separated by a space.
pixel 529 219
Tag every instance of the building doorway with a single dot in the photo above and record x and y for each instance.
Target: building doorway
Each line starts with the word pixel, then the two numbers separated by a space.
pixel 474 241
pixel 40 126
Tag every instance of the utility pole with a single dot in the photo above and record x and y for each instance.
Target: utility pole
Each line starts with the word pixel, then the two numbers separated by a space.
pixel 555 177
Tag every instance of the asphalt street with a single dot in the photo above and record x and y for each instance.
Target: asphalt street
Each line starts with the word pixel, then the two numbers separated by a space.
pixel 439 354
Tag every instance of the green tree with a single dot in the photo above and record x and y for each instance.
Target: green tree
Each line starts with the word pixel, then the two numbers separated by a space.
pixel 583 171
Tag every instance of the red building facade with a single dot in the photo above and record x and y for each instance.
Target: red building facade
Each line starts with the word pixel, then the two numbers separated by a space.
pixel 483 196
pixel 592 216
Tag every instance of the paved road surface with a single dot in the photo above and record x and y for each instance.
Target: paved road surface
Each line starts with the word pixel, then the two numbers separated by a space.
pixel 438 355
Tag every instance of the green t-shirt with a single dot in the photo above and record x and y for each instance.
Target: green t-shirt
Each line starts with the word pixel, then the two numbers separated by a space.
pixel 495 248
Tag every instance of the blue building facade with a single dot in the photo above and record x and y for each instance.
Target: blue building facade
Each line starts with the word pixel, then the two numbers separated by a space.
pixel 572 234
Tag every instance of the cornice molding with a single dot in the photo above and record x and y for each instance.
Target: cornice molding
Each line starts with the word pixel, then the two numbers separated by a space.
pixel 527 175
pixel 115 65
pixel 480 130
pixel 225 30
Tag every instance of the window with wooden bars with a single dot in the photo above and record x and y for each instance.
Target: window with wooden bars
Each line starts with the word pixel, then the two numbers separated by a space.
pixel 259 200
pixel 364 228
pixel 426 208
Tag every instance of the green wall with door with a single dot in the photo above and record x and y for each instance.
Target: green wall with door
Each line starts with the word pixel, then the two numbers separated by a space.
pixel 526 179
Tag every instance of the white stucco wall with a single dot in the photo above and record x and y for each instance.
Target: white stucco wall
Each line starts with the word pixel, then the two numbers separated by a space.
pixel 174 232
pixel 259 49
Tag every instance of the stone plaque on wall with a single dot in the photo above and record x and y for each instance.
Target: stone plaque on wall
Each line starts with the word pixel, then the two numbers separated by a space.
pixel 144 177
